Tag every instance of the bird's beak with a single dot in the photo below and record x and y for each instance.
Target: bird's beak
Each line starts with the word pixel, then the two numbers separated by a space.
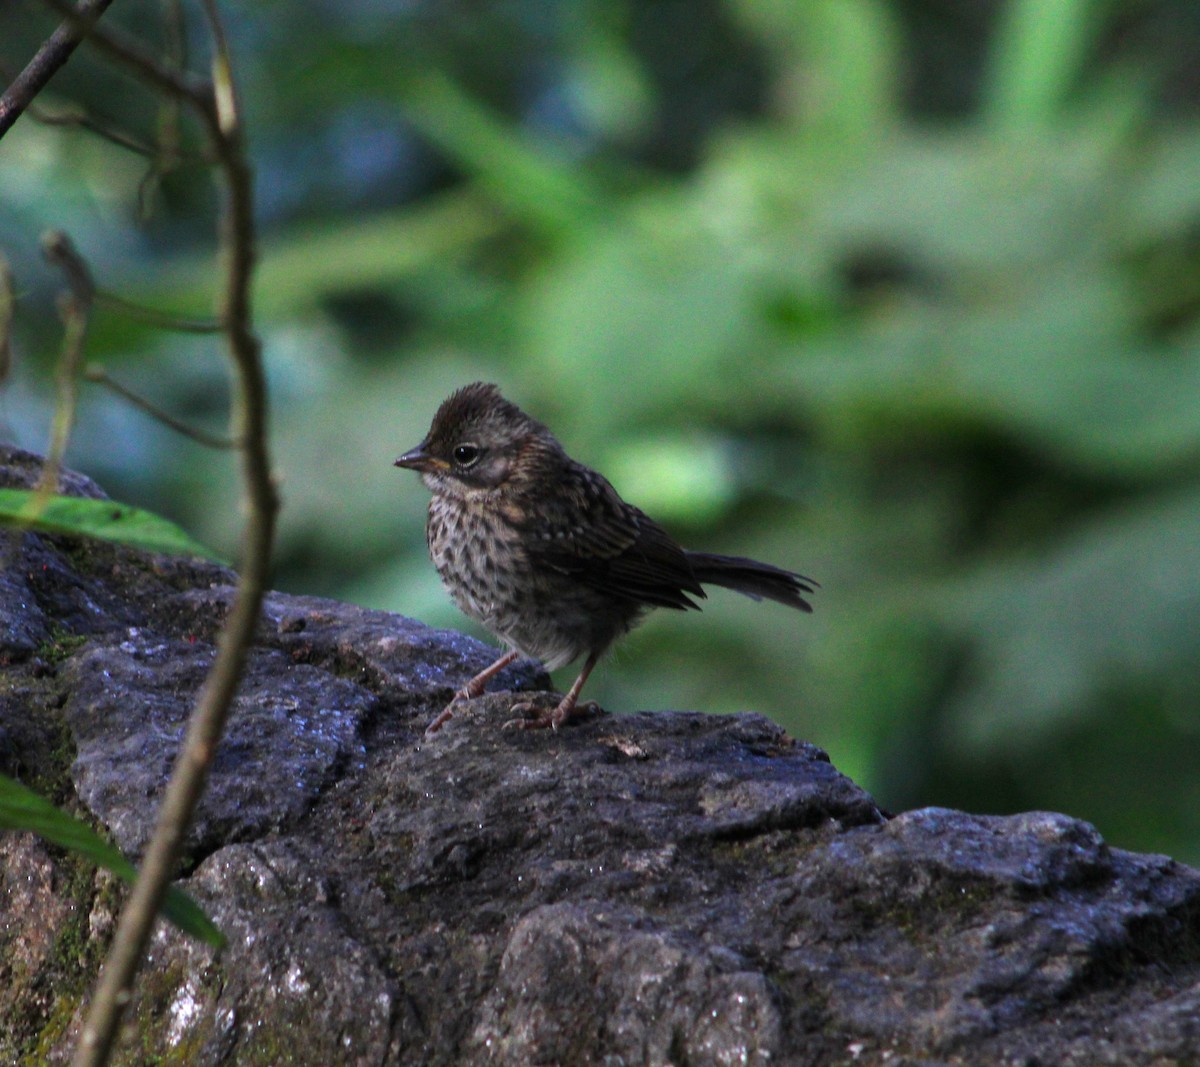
pixel 418 459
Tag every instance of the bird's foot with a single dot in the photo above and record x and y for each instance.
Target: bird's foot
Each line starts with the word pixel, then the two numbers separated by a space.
pixel 535 717
pixel 474 688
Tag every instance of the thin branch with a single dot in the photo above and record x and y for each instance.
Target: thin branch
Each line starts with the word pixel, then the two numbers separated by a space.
pixel 100 376
pixel 175 23
pixel 170 136
pixel 78 117
pixel 128 52
pixel 48 60
pixel 75 306
pixel 60 252
pixel 207 722
pixel 153 317
pixel 165 154
pixel 8 302
pixel 224 90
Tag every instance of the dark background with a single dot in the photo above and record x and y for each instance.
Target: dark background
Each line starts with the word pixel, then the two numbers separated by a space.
pixel 905 296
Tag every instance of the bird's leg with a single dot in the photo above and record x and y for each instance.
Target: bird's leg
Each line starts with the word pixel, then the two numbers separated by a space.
pixel 559 715
pixel 472 689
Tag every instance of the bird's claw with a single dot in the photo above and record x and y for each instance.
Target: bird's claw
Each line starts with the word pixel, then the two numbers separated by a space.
pixel 530 714
pixel 542 718
pixel 548 718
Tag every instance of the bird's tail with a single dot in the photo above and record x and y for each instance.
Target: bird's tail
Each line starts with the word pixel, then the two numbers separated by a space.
pixel 756 580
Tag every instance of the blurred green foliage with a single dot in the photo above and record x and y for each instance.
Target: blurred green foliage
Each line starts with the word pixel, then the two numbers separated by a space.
pixel 809 281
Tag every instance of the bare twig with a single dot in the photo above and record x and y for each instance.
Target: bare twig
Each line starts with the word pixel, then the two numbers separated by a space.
pixel 170 137
pixel 75 116
pixel 75 306
pixel 221 116
pixel 154 317
pixel 203 437
pixel 48 60
pixel 100 376
pixel 166 153
pixel 62 253
pixel 7 303
pixel 128 53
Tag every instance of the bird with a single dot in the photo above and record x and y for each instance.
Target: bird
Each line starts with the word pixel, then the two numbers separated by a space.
pixel 545 553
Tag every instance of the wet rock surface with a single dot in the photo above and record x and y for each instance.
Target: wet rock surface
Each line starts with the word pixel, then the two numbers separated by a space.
pixel 660 888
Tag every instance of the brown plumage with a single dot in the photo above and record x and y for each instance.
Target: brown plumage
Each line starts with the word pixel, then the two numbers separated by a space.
pixel 542 550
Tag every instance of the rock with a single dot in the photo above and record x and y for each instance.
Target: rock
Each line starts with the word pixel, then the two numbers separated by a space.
pixel 660 888
pixel 291 729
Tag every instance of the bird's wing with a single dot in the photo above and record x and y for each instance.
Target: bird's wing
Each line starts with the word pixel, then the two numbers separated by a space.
pixel 587 531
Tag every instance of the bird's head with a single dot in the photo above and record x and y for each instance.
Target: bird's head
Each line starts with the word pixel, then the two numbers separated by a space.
pixel 475 442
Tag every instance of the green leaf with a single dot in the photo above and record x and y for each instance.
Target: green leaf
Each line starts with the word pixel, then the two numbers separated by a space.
pixel 23 809
pixel 104 519
pixel 1039 53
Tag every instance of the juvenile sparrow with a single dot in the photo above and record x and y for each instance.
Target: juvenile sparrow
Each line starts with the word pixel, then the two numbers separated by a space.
pixel 542 550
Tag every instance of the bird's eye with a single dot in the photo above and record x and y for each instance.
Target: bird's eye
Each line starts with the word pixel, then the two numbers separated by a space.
pixel 466 454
